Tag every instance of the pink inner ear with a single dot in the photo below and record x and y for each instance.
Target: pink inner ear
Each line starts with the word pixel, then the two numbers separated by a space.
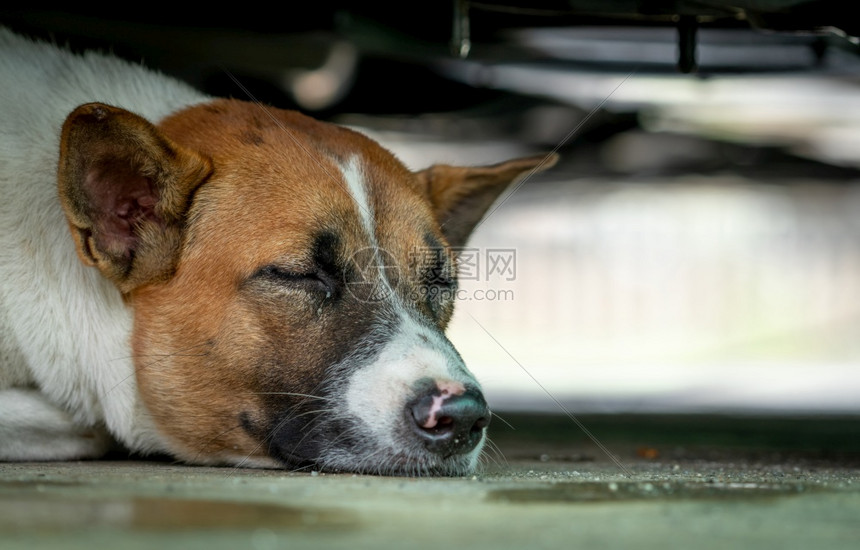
pixel 120 199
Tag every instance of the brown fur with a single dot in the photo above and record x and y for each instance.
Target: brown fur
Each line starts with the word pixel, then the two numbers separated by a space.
pixel 241 187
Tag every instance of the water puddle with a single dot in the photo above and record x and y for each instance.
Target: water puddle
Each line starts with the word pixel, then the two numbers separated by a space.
pixel 627 491
pixel 52 514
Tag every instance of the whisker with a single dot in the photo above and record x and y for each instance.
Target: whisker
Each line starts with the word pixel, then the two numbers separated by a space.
pixel 310 427
pixel 309 396
pixel 317 411
pixel 502 420
pixel 341 436
pixel 257 447
pixel 492 446
pixel 290 416
pixel 304 468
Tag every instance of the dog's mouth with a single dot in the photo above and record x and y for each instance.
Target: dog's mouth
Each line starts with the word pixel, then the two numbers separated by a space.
pixel 440 431
pixel 379 460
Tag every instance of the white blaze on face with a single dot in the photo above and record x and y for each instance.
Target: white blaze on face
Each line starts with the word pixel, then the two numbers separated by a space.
pixel 353 174
pixel 378 393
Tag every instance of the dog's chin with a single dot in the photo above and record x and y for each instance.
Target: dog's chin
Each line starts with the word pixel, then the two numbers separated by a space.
pixel 385 462
pixel 420 464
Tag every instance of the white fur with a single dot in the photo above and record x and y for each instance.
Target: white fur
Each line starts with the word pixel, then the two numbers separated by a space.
pixel 380 390
pixel 377 393
pixel 64 330
pixel 354 175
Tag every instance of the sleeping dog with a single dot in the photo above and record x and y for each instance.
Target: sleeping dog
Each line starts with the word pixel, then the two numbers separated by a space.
pixel 223 281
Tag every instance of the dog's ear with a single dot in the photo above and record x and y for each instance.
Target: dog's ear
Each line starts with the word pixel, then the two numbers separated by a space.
pixel 461 195
pixel 125 189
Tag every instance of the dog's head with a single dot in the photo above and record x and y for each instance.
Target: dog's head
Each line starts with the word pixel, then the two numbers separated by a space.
pixel 291 282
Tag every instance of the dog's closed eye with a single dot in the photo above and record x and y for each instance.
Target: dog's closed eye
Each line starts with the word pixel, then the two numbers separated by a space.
pixel 315 282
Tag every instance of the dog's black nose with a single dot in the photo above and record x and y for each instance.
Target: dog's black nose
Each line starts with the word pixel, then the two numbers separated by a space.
pixel 448 423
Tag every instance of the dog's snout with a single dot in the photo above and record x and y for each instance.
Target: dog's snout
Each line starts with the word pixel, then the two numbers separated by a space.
pixel 450 421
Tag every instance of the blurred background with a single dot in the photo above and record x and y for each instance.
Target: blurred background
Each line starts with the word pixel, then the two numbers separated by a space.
pixel 697 249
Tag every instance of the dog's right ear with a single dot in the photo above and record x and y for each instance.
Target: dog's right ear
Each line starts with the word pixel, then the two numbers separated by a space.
pixel 461 195
pixel 125 189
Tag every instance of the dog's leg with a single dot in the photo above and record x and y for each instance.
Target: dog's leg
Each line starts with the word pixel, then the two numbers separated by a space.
pixel 32 428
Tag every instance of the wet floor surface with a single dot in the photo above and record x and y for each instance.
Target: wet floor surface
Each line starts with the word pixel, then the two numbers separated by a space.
pixel 670 482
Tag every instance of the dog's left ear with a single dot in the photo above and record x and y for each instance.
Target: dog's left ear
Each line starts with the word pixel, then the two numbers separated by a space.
pixel 461 195
pixel 125 189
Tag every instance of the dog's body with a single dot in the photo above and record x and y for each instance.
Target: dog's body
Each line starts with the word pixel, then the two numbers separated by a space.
pixel 228 319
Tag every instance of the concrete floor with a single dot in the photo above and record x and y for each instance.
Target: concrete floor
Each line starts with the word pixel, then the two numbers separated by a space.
pixel 695 482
